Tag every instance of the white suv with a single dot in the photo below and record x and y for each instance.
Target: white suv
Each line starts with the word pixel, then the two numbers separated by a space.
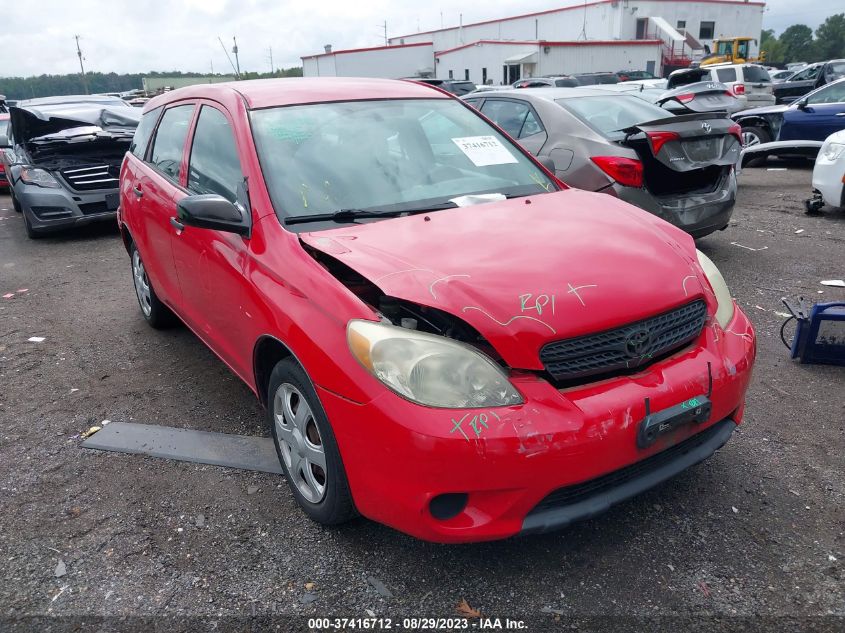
pixel 750 83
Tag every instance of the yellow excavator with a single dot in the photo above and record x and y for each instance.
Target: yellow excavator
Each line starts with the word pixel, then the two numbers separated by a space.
pixel 731 50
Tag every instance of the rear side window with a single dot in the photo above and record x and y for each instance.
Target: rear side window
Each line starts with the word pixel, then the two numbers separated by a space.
pixel 143 133
pixel 566 83
pixel 726 75
pixel 214 166
pixel 170 140
pixel 516 119
pixel 756 74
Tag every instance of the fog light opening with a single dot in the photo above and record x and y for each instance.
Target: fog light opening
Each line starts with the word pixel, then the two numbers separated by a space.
pixel 448 505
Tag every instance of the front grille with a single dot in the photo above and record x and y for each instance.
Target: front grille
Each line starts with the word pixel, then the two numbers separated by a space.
pixel 95 177
pixel 624 348
pixel 580 492
pixel 90 208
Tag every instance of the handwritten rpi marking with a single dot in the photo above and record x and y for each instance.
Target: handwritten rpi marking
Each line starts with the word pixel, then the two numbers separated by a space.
pixel 540 302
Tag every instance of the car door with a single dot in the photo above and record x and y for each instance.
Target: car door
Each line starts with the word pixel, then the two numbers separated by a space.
pixel 157 190
pixel 800 84
pixel 211 264
pixel 519 120
pixel 816 116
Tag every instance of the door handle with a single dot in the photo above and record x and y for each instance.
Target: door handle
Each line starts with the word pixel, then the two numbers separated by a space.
pixel 840 114
pixel 138 192
pixel 176 224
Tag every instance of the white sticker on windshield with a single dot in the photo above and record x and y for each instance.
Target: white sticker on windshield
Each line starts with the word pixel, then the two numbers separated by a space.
pixel 484 150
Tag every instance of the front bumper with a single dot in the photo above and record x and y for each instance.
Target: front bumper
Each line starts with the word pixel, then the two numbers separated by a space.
pixel 828 177
pixel 697 214
pixel 57 208
pixel 400 456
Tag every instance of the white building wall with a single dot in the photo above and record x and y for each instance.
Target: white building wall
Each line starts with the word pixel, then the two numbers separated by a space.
pixel 563 59
pixel 388 63
pixel 608 21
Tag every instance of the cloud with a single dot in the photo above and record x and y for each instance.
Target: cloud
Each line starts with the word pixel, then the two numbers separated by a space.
pixel 144 35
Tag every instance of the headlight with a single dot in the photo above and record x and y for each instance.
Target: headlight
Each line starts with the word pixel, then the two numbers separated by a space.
pixel 40 177
pixel 429 369
pixel 832 151
pixel 725 311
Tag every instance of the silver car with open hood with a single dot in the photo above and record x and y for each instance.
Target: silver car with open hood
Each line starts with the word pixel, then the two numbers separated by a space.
pixel 65 158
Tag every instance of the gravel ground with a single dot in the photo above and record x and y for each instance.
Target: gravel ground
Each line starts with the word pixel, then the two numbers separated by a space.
pixel 755 531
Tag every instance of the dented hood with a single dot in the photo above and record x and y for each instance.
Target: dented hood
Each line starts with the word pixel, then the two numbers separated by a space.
pixel 526 271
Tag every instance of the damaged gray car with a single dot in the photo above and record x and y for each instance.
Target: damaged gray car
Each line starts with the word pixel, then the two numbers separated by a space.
pixel 680 168
pixel 65 157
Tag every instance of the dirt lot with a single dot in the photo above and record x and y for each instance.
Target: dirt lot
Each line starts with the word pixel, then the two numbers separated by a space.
pixel 755 531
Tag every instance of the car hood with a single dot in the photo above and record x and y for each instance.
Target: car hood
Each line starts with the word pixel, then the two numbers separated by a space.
pixel 527 271
pixel 74 121
pixel 772 109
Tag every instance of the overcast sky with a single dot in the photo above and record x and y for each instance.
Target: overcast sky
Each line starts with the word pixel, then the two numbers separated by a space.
pixel 143 35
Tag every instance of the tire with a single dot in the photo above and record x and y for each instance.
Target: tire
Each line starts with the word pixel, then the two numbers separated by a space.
pixel 306 446
pixel 753 135
pixel 15 202
pixel 31 232
pixel 155 313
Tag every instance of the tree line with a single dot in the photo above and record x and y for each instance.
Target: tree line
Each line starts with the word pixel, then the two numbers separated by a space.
pixel 797 44
pixel 50 85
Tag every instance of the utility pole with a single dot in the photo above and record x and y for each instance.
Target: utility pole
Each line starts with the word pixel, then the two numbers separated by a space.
pixel 237 61
pixel 384 27
pixel 81 67
pixel 272 68
pixel 226 53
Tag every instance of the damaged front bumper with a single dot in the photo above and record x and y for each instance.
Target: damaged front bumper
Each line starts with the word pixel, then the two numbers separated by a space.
pixel 471 475
pixel 58 208
pixel 697 214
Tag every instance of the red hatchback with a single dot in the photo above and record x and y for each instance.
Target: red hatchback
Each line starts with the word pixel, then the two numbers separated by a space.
pixel 446 338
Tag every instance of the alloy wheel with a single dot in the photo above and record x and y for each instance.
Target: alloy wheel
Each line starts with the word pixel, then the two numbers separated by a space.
pixel 300 443
pixel 749 139
pixel 142 284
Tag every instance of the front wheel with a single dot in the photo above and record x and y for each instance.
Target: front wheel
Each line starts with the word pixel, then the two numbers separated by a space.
pixel 306 446
pixel 153 310
pixel 31 233
pixel 15 202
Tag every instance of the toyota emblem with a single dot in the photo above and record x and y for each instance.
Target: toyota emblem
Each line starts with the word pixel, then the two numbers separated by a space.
pixel 637 342
pixel 706 127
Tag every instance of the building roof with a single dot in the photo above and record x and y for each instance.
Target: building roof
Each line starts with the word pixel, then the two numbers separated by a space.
pixel 364 50
pixel 572 7
pixel 266 93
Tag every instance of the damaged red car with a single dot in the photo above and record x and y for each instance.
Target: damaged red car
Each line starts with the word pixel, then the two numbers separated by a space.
pixel 446 338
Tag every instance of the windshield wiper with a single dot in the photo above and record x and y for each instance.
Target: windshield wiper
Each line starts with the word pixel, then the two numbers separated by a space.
pixel 349 215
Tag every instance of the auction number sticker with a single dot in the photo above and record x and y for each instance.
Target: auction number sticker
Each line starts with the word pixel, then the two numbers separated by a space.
pixel 484 151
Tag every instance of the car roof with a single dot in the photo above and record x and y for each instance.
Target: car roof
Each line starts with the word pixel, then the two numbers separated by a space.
pixel 552 94
pixel 266 93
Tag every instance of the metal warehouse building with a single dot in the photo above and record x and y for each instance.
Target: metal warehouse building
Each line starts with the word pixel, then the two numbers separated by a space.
pixel 598 35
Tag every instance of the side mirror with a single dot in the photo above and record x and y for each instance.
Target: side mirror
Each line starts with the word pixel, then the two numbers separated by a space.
pixel 210 211
pixel 546 162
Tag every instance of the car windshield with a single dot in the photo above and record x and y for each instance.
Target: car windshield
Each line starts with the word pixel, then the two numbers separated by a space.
pixel 391 154
pixel 611 113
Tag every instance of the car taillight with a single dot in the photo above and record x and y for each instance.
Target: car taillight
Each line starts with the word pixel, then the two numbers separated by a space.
pixel 739 89
pixel 736 130
pixel 658 139
pixel 625 171
pixel 685 98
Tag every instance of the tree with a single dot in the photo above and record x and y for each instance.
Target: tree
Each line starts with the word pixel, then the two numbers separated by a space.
pixel 830 38
pixel 798 43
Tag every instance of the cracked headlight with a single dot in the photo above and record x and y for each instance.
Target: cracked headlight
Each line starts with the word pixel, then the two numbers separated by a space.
pixel 429 369
pixel 39 177
pixel 725 311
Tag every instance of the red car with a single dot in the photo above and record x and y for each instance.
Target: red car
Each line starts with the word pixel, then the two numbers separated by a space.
pixel 447 339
